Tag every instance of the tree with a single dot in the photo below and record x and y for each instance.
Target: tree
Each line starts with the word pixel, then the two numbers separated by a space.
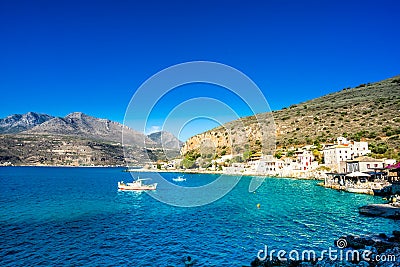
pixel 379 149
pixel 188 163
pixel 317 155
pixel 237 159
pixel 246 155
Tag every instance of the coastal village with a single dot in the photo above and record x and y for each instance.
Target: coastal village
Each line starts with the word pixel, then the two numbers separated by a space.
pixel 342 165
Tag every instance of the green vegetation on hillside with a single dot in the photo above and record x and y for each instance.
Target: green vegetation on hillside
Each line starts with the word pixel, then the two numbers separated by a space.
pixel 369 112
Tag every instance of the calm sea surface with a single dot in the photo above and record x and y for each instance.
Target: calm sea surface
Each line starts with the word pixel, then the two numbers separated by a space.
pixel 76 216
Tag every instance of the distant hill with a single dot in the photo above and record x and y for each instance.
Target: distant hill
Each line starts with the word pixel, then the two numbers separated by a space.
pixel 81 125
pixel 165 139
pixel 21 122
pixel 79 139
pixel 168 143
pixel 368 112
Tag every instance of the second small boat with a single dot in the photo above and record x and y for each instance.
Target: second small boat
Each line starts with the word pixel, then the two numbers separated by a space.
pixel 179 179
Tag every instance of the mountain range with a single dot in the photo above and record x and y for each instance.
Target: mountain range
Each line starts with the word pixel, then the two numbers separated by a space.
pixel 24 136
pixel 81 125
pixel 369 112
pixel 21 122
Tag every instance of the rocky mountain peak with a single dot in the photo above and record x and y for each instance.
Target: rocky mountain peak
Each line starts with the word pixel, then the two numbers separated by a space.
pixel 166 140
pixel 21 122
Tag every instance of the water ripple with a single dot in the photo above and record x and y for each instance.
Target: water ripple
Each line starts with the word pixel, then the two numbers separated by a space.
pixel 106 227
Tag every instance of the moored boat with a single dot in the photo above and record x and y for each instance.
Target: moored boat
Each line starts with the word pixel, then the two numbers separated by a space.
pixel 179 179
pixel 360 190
pixel 136 185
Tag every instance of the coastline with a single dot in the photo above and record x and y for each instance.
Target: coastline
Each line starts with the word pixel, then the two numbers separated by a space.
pixel 64 166
pixel 224 173
pixel 127 169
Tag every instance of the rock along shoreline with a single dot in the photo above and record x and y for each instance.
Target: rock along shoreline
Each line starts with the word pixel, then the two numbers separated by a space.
pixel 367 251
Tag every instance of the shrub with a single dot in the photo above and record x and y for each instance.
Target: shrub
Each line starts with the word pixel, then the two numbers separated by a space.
pixel 380 148
pixel 187 163
pixel 247 155
pixel 371 135
pixel 290 153
pixel 361 85
pixel 390 133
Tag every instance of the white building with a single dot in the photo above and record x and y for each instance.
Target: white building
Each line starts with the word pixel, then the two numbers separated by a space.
pixel 333 155
pixel 265 165
pixel 344 151
pixel 306 161
pixel 362 164
pixel 224 158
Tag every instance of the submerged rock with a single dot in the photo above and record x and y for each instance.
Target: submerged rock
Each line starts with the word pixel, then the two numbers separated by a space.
pixel 381 244
pixel 381 210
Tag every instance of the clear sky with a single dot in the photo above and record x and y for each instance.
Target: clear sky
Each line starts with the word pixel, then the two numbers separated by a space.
pixel 58 57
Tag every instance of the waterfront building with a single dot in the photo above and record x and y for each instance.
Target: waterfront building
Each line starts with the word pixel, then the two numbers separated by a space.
pixel 343 151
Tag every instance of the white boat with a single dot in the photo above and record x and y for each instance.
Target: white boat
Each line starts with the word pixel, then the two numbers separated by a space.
pixel 359 190
pixel 179 179
pixel 136 185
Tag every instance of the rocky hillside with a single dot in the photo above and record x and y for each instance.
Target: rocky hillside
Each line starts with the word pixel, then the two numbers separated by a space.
pixel 83 126
pixel 165 139
pixel 82 140
pixel 369 111
pixel 21 122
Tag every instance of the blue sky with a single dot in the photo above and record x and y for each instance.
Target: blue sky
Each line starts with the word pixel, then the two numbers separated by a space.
pixel 59 57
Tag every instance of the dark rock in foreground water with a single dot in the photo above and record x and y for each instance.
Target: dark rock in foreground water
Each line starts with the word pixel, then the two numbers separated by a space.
pixel 370 249
pixel 391 211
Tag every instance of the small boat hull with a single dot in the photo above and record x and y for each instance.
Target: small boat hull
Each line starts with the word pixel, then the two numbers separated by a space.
pixel 360 191
pixel 179 179
pixel 136 186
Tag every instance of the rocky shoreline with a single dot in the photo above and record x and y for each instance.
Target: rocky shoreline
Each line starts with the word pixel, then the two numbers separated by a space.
pixel 377 250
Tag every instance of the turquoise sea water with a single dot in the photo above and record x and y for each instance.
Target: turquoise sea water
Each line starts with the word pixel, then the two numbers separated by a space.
pixel 76 216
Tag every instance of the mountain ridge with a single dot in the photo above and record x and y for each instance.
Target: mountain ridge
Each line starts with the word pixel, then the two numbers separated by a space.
pixel 368 111
pixel 16 123
pixel 80 140
pixel 84 126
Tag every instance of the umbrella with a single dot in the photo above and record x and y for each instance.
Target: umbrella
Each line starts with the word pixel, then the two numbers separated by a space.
pixel 358 174
pixel 393 166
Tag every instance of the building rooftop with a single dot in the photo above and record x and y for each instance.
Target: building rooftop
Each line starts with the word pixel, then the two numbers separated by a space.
pixel 367 159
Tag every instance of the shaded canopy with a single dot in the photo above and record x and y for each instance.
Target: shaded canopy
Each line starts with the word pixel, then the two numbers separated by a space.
pixel 358 174
pixel 393 166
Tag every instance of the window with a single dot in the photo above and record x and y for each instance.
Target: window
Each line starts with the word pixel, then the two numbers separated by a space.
pixel 368 166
